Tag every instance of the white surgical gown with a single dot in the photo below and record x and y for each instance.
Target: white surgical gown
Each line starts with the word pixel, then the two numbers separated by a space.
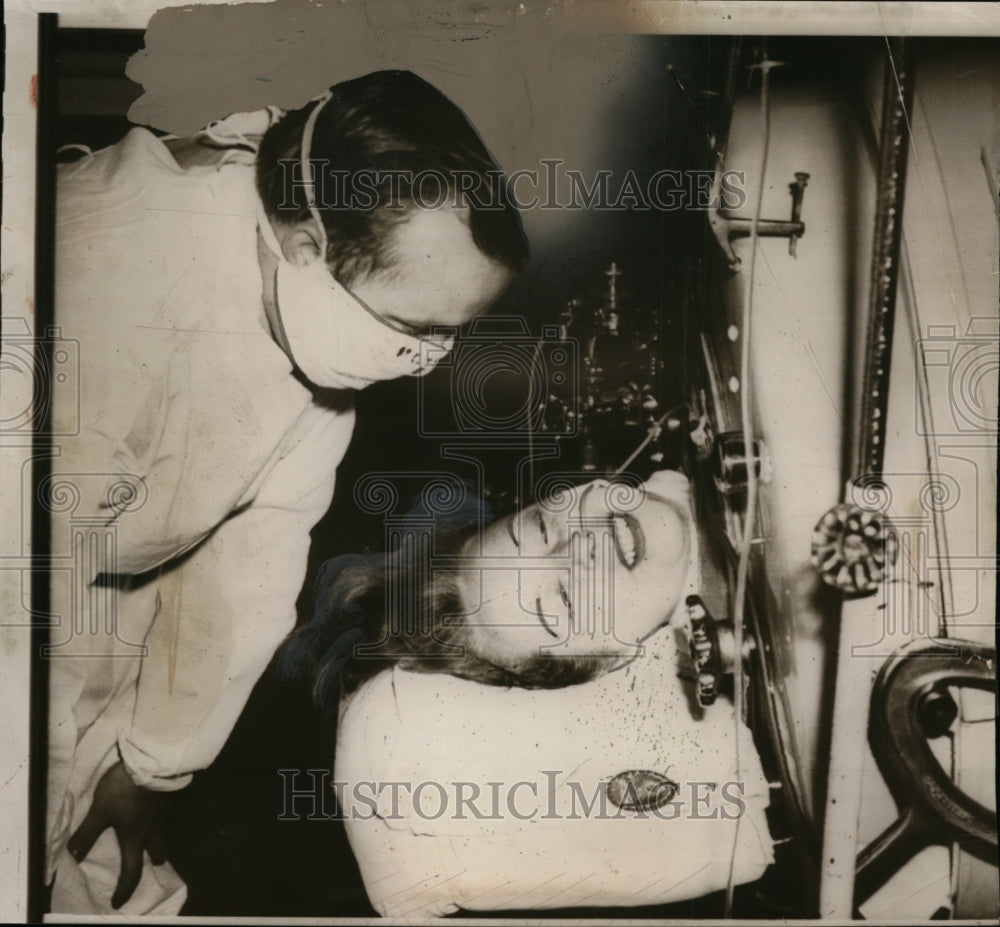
pixel 189 468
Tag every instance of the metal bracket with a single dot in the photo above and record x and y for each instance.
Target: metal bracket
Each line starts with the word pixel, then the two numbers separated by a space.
pixel 728 228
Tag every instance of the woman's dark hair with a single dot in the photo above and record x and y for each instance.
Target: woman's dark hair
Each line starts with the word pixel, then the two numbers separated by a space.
pixel 373 141
pixel 358 630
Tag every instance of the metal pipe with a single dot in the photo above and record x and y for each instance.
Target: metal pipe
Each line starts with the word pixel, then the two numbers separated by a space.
pixel 853 681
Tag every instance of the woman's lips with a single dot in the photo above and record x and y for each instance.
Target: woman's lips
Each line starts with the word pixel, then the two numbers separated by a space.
pixel 630 542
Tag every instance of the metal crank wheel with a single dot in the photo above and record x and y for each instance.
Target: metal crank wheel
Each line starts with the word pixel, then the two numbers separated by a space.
pixel 911 703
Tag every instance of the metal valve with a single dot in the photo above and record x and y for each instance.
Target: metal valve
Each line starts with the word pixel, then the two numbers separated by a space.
pixel 852 548
pixel 712 648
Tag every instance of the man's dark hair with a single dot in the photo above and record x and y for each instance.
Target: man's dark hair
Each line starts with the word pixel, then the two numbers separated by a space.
pixel 391 127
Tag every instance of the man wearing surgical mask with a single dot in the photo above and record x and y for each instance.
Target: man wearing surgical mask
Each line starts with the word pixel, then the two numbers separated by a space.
pixel 228 291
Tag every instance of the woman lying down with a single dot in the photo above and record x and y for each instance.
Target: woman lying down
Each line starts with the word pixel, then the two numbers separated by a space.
pixel 513 733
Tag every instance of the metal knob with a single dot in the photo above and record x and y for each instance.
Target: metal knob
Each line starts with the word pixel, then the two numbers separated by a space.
pixel 731 462
pixel 937 711
pixel 712 648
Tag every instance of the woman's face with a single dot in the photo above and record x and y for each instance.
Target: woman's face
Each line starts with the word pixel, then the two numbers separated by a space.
pixel 589 571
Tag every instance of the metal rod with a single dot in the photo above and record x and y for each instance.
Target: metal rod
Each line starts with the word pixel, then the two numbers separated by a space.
pixel 766 228
pixel 853 681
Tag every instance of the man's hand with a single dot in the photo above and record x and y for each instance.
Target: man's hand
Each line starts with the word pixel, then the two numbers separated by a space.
pixel 134 813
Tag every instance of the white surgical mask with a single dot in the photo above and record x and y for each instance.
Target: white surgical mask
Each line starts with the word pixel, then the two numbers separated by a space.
pixel 335 340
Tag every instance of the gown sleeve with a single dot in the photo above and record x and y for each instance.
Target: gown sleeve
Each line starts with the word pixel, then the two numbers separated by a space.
pixel 223 611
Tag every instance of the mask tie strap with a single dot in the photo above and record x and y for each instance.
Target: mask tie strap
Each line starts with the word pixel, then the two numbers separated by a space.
pixel 267 232
pixel 241 147
pixel 308 180
pixel 231 137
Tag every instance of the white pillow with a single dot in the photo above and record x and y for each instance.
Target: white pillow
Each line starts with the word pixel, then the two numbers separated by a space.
pixel 412 746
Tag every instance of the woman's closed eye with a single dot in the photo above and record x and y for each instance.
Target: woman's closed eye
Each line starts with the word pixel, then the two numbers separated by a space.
pixel 564 595
pixel 543 530
pixel 519 520
pixel 541 618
